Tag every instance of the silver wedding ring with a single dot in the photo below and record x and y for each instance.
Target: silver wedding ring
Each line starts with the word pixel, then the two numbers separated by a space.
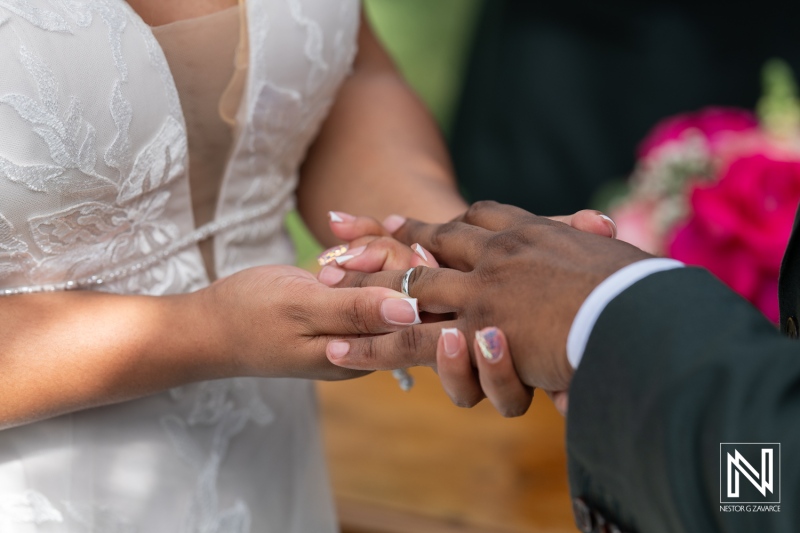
pixel 402 376
pixel 404 283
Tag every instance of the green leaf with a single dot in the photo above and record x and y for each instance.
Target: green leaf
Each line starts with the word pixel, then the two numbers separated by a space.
pixel 779 108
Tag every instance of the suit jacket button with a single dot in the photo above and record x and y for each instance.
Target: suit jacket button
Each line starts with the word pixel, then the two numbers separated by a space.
pixel 791 327
pixel 583 515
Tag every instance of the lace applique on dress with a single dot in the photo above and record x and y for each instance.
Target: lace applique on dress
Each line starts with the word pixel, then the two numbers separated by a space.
pixel 161 66
pixel 313 46
pixel 70 139
pixel 9 243
pixel 127 227
pixel 226 406
pixel 81 13
pixel 14 256
pixel 41 18
pixel 119 155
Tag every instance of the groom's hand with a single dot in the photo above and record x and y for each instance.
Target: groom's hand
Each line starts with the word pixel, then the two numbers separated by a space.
pixel 508 268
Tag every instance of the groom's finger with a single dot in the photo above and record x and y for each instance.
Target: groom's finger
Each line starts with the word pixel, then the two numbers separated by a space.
pixel 590 221
pixel 494 216
pixel 499 379
pixel 439 290
pixel 455 244
pixel 453 364
pixel 411 346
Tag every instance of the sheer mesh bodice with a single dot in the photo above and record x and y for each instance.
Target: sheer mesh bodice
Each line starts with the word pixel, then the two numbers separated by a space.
pixel 201 53
pixel 111 173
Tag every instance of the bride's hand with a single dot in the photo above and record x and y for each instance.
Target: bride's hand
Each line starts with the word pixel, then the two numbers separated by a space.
pixel 371 248
pixel 275 321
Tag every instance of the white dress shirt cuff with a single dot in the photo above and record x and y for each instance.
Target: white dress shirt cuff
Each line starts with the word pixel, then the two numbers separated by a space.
pixel 602 295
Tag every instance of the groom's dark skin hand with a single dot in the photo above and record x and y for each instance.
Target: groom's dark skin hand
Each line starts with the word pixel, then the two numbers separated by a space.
pixel 525 274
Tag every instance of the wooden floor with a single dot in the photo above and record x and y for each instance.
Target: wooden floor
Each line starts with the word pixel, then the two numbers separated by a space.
pixel 413 462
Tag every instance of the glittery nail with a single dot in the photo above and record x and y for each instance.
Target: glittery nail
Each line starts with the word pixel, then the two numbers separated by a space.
pixel 330 255
pixel 489 343
pixel 342 259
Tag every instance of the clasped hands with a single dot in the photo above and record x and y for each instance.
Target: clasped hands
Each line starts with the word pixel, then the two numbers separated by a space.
pixel 498 288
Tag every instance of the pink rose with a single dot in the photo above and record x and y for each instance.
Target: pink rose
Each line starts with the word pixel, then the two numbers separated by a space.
pixel 713 123
pixel 740 227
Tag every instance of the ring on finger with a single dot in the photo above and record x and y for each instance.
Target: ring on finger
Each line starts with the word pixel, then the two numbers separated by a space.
pixel 404 283
pixel 402 376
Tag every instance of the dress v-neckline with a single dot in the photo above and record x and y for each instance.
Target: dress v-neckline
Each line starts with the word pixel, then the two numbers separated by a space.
pixel 204 204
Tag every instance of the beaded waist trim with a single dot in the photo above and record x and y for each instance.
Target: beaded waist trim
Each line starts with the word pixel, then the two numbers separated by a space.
pixel 198 235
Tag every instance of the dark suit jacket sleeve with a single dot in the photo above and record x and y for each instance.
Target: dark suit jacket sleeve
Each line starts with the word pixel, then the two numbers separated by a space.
pixel 676 365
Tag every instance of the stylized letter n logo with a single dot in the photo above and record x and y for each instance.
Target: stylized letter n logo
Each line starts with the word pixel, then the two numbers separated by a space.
pixel 741 465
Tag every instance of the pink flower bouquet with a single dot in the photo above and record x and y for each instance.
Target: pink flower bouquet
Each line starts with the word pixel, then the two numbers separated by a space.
pixel 719 189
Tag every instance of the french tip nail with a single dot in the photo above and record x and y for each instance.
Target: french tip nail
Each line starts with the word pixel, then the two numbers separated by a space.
pixel 450 345
pixel 397 313
pixel 613 225
pixel 420 251
pixel 413 302
pixel 393 222
pixel 343 259
pixel 334 217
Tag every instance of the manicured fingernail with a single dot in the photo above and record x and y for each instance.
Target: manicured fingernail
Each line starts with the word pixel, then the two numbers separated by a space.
pixel 338 216
pixel 400 311
pixel 338 349
pixel 420 251
pixel 392 223
pixel 330 255
pixel 342 259
pixel 450 338
pixel 330 275
pixel 613 226
pixel 489 344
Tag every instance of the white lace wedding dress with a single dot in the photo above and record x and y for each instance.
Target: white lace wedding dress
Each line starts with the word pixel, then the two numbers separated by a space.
pixel 95 194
